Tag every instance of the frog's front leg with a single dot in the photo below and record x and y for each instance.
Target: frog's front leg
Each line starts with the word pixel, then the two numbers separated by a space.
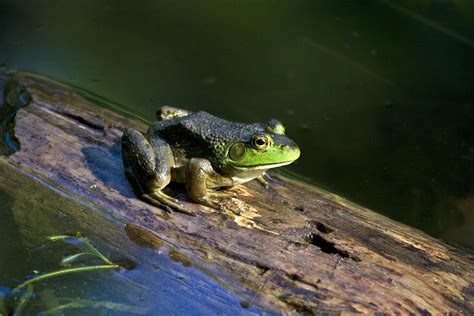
pixel 148 169
pixel 261 179
pixel 201 179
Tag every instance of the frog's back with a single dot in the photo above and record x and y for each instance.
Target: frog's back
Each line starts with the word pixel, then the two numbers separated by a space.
pixel 201 134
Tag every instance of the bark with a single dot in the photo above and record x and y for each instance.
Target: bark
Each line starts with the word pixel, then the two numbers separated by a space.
pixel 291 248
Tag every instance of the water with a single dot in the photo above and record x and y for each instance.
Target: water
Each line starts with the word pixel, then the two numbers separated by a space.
pixel 379 94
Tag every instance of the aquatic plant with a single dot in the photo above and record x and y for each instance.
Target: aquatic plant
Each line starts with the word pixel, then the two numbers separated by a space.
pixel 25 289
pixel 92 251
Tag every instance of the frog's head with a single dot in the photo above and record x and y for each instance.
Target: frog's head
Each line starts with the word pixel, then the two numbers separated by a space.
pixel 265 148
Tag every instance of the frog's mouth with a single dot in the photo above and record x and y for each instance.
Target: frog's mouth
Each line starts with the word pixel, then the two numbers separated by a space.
pixel 263 166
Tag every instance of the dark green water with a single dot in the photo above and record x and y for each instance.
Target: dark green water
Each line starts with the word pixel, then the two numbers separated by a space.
pixel 378 94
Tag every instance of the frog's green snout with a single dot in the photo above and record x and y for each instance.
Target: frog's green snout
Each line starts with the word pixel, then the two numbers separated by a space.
pixel 288 149
pixel 292 149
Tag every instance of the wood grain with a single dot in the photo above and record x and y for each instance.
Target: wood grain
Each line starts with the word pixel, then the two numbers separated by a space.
pixel 290 248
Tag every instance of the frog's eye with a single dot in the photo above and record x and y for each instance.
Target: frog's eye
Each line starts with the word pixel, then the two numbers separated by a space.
pixel 261 141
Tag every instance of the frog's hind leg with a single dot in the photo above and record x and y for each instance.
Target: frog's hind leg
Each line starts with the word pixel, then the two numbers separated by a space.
pixel 148 169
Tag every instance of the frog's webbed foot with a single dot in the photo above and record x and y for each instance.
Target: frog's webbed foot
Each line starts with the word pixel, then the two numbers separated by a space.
pixel 160 199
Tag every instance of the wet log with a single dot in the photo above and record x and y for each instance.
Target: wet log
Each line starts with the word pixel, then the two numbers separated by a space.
pixel 290 248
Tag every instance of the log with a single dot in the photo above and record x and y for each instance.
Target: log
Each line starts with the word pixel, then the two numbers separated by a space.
pixel 293 248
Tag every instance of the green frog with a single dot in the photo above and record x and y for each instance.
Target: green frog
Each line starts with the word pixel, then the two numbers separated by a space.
pixel 204 152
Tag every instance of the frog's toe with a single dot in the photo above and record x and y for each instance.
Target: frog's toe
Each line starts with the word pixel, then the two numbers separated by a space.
pixel 263 181
pixel 160 199
pixel 214 204
pixel 153 201
pixel 221 194
pixel 209 201
pixel 181 208
pixel 168 198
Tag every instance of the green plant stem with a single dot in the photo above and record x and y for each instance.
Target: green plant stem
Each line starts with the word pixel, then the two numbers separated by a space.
pixel 87 243
pixel 60 237
pixel 63 272
pixel 70 259
pixel 96 252
pixel 24 299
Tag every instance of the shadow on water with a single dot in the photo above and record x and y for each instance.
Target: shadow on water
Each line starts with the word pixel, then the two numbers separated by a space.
pixel 106 164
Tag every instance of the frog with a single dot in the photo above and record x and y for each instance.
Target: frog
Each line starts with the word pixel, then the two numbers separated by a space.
pixel 205 153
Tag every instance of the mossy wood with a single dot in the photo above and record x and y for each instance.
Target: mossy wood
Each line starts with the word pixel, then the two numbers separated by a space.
pixel 293 247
